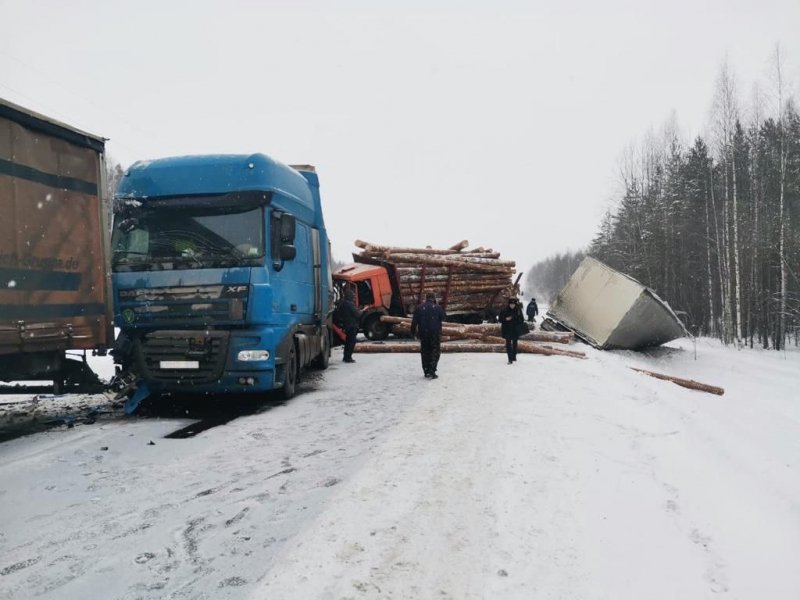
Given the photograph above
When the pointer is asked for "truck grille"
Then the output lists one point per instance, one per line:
(209, 349)
(191, 306)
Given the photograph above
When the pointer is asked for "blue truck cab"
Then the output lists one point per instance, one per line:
(221, 274)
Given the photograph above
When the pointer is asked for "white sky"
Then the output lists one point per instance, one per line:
(429, 122)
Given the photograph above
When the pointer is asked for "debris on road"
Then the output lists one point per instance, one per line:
(472, 338)
(609, 309)
(687, 383)
(402, 325)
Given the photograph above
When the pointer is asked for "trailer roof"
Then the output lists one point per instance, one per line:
(38, 122)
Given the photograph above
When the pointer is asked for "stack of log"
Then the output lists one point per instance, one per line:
(463, 279)
(474, 338)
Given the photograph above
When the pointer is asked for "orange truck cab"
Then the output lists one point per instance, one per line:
(376, 293)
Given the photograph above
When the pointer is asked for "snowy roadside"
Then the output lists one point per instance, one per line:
(119, 508)
(551, 478)
(573, 480)
(22, 413)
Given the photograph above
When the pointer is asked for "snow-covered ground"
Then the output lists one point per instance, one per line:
(551, 478)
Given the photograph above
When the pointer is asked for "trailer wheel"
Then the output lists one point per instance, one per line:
(375, 329)
(290, 376)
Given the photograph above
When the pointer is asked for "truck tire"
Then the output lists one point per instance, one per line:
(59, 387)
(324, 357)
(374, 328)
(290, 376)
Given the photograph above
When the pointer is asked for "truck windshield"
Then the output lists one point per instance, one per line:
(188, 238)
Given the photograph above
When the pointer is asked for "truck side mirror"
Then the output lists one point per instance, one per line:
(282, 238)
(287, 228)
(288, 252)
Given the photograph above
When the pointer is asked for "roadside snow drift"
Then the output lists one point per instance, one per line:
(549, 478)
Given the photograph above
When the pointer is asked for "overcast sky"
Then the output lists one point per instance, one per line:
(429, 122)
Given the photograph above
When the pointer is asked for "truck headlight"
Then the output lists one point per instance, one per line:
(252, 355)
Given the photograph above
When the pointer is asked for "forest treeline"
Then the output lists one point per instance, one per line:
(712, 226)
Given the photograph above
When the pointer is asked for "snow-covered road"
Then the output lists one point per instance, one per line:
(551, 478)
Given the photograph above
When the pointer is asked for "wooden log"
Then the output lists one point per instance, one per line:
(485, 328)
(687, 383)
(452, 329)
(386, 250)
(469, 289)
(480, 254)
(410, 269)
(455, 277)
(461, 284)
(532, 348)
(396, 320)
(371, 248)
(483, 331)
(455, 347)
(450, 260)
(558, 337)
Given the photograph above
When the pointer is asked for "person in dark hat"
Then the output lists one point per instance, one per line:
(532, 310)
(512, 324)
(347, 316)
(427, 326)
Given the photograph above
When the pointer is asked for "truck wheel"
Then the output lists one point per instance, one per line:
(375, 329)
(290, 376)
(324, 358)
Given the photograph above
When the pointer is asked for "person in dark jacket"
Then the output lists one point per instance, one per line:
(511, 325)
(532, 310)
(427, 326)
(347, 316)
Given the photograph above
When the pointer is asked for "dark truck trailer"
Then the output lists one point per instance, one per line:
(54, 269)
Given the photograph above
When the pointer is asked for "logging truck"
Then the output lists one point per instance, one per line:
(471, 285)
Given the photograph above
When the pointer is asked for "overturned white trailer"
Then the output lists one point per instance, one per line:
(609, 309)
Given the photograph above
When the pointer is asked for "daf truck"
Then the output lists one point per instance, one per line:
(221, 273)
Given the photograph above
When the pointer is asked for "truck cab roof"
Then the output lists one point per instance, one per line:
(218, 174)
(358, 272)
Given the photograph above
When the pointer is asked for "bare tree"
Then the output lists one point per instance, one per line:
(726, 117)
(782, 158)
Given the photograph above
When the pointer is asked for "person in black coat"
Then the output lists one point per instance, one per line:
(347, 316)
(532, 310)
(427, 326)
(512, 324)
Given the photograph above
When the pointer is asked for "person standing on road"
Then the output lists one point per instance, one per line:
(348, 317)
(532, 310)
(512, 324)
(427, 326)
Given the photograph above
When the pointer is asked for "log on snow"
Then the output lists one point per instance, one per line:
(403, 324)
(455, 347)
(687, 383)
(558, 337)
(532, 348)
